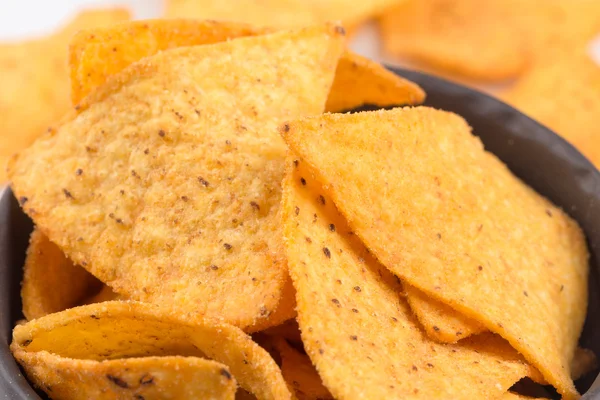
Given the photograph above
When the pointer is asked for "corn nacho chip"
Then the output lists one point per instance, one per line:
(117, 331)
(355, 323)
(359, 81)
(300, 374)
(458, 36)
(34, 82)
(51, 282)
(455, 223)
(440, 321)
(563, 95)
(187, 213)
(282, 14)
(135, 378)
(96, 54)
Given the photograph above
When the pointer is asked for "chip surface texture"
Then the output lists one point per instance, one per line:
(450, 219)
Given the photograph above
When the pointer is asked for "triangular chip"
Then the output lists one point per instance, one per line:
(360, 81)
(128, 378)
(491, 43)
(356, 327)
(51, 282)
(96, 54)
(459, 36)
(34, 82)
(282, 14)
(563, 95)
(450, 219)
(176, 200)
(119, 331)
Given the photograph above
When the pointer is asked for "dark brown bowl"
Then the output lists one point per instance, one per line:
(534, 153)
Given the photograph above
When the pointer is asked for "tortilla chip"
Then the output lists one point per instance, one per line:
(133, 378)
(281, 14)
(300, 374)
(459, 36)
(122, 330)
(359, 81)
(356, 327)
(34, 82)
(553, 27)
(440, 321)
(51, 282)
(188, 216)
(454, 222)
(96, 54)
(563, 95)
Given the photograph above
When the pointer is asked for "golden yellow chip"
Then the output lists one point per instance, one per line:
(357, 328)
(563, 95)
(134, 378)
(176, 201)
(553, 27)
(96, 54)
(117, 331)
(359, 81)
(441, 322)
(300, 374)
(450, 219)
(282, 14)
(34, 82)
(51, 282)
(458, 36)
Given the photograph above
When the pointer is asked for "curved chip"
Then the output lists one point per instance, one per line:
(34, 82)
(182, 208)
(96, 54)
(178, 378)
(51, 282)
(563, 95)
(459, 36)
(440, 321)
(357, 328)
(454, 222)
(121, 330)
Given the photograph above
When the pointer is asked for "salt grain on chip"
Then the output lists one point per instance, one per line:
(357, 328)
(167, 179)
(133, 349)
(450, 219)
